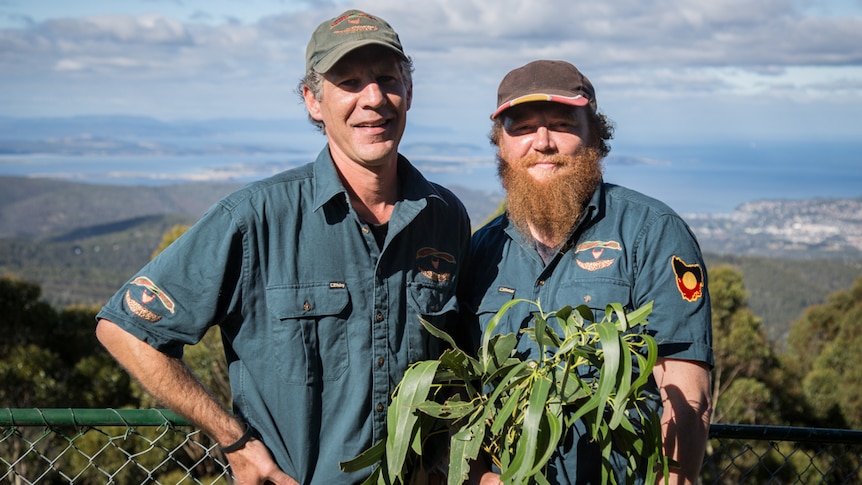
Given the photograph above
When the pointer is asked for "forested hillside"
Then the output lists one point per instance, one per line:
(781, 289)
(80, 242)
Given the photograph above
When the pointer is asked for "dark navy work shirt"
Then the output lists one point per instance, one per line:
(319, 321)
(628, 249)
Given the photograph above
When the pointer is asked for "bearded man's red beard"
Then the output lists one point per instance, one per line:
(553, 205)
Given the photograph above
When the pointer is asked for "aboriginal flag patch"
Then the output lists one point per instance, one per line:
(689, 279)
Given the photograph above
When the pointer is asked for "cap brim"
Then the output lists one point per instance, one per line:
(577, 100)
(330, 59)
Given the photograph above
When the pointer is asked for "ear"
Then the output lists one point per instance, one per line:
(311, 104)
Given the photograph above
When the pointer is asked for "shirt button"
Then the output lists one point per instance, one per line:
(587, 299)
(379, 317)
(306, 306)
(365, 229)
(541, 282)
(380, 362)
(379, 407)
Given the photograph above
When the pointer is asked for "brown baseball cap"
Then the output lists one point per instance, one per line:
(351, 30)
(543, 80)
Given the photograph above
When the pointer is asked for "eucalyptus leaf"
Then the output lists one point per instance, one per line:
(365, 459)
(401, 416)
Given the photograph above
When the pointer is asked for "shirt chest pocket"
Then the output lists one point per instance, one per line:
(432, 302)
(310, 331)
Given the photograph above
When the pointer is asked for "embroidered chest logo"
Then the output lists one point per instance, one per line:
(689, 279)
(436, 265)
(150, 292)
(591, 255)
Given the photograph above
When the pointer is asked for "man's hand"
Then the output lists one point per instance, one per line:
(253, 465)
(490, 478)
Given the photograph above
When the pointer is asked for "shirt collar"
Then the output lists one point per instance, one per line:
(327, 183)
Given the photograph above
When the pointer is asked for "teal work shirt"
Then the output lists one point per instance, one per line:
(319, 324)
(628, 249)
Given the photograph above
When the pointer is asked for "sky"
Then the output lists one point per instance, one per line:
(665, 71)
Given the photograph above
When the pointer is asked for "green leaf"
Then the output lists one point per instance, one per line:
(501, 349)
(638, 316)
(465, 446)
(554, 424)
(646, 364)
(623, 385)
(439, 333)
(569, 388)
(527, 443)
(365, 459)
(513, 378)
(539, 326)
(586, 313)
(401, 415)
(449, 410)
(506, 412)
(456, 365)
(608, 374)
(622, 321)
(492, 325)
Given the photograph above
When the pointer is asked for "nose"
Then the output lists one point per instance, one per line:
(542, 141)
(372, 95)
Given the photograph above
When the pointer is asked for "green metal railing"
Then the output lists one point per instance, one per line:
(127, 446)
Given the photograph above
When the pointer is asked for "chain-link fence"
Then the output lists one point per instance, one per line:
(99, 446)
(149, 446)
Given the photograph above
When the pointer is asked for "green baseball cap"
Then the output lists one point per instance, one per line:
(351, 30)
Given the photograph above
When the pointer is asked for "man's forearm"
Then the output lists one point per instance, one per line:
(687, 411)
(685, 442)
(171, 382)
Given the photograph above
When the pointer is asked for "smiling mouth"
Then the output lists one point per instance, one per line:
(376, 124)
(545, 164)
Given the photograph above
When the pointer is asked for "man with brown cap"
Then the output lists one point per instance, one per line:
(316, 278)
(569, 238)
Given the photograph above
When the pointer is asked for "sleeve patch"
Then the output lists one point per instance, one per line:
(689, 279)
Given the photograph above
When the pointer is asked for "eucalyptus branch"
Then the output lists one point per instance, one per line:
(518, 410)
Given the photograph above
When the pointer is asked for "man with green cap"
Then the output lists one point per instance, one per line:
(316, 278)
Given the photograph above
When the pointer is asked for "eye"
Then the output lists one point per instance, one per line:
(517, 127)
(566, 126)
(348, 83)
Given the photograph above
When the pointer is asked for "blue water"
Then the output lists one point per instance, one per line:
(691, 179)
(716, 179)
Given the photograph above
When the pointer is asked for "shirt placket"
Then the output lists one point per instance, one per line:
(379, 359)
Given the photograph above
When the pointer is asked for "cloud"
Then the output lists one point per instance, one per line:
(116, 29)
(666, 33)
(630, 49)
